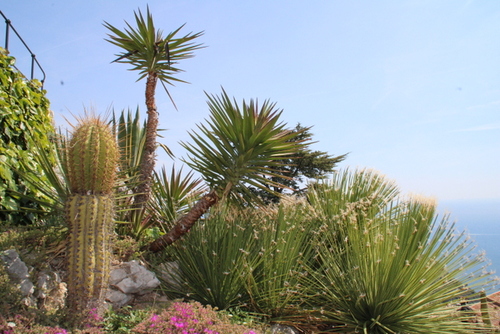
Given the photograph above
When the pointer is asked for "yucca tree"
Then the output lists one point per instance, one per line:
(155, 57)
(238, 148)
(131, 138)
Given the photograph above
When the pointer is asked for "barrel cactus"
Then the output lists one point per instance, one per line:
(91, 162)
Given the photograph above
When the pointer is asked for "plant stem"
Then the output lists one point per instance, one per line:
(185, 223)
(143, 190)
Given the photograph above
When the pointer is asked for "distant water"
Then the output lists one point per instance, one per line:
(481, 220)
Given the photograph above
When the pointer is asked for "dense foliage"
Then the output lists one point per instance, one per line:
(26, 124)
(305, 165)
(354, 256)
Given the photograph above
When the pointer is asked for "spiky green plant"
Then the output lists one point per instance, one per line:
(395, 268)
(173, 195)
(285, 247)
(238, 148)
(252, 257)
(155, 57)
(91, 158)
(131, 138)
(91, 164)
(216, 258)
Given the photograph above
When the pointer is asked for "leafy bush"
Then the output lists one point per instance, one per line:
(215, 258)
(26, 125)
(397, 268)
(121, 321)
(251, 258)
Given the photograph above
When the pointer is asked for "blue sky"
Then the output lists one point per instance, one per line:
(409, 88)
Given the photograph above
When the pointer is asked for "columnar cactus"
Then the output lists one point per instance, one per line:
(91, 161)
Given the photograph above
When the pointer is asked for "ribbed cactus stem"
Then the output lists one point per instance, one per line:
(91, 218)
(91, 162)
(92, 157)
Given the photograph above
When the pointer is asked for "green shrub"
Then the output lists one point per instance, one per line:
(26, 125)
(353, 257)
(396, 268)
(215, 258)
(252, 258)
(121, 321)
(285, 247)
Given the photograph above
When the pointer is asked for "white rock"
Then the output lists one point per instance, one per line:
(128, 281)
(283, 329)
(18, 271)
(118, 298)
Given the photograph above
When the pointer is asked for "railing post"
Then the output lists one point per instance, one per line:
(33, 66)
(33, 57)
(7, 25)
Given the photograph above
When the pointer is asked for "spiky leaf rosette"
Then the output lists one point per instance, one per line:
(150, 52)
(92, 157)
(241, 147)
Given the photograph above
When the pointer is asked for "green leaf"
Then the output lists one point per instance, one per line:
(145, 48)
(240, 146)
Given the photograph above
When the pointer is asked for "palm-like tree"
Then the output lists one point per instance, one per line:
(239, 147)
(156, 58)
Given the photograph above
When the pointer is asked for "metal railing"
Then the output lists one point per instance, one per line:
(8, 27)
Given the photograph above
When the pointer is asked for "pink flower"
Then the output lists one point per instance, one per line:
(154, 318)
(177, 322)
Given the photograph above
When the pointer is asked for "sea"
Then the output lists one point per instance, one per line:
(480, 218)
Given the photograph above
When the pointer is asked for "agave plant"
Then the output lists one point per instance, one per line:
(285, 247)
(52, 188)
(239, 147)
(155, 57)
(253, 257)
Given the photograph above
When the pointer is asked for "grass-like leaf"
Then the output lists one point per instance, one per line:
(216, 258)
(173, 194)
(397, 269)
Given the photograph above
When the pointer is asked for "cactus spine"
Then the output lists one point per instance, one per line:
(91, 161)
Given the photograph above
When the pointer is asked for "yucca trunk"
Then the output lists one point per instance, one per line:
(185, 223)
(143, 190)
(91, 161)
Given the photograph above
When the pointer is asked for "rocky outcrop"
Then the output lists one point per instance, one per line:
(129, 281)
(50, 290)
(19, 273)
